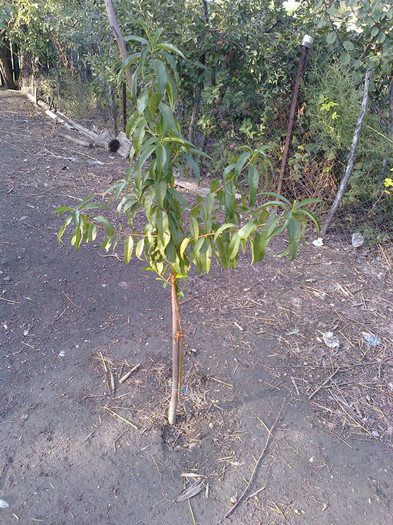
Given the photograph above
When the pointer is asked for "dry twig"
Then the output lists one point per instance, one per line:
(269, 435)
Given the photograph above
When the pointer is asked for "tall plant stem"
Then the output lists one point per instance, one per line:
(177, 346)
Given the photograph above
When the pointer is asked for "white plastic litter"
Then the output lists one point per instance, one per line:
(371, 339)
(318, 242)
(331, 340)
(357, 240)
(3, 504)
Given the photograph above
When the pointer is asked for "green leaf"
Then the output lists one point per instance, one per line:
(139, 135)
(156, 37)
(139, 248)
(145, 153)
(348, 46)
(241, 161)
(183, 246)
(61, 209)
(132, 123)
(62, 229)
(127, 63)
(194, 227)
(169, 119)
(294, 230)
(246, 230)
(234, 246)
(135, 38)
(223, 228)
(142, 102)
(253, 182)
(160, 190)
(165, 46)
(91, 233)
(163, 232)
(161, 74)
(107, 243)
(128, 247)
(104, 222)
(194, 166)
(331, 37)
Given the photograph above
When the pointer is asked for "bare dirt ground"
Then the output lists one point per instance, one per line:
(77, 446)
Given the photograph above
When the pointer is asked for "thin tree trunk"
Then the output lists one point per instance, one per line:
(195, 112)
(390, 125)
(177, 345)
(6, 66)
(199, 88)
(351, 156)
(114, 111)
(124, 105)
(110, 11)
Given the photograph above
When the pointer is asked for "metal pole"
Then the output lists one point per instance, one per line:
(306, 44)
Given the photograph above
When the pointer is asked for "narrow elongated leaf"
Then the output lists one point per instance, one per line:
(144, 54)
(61, 209)
(161, 74)
(135, 38)
(139, 135)
(139, 248)
(104, 222)
(160, 190)
(165, 46)
(142, 102)
(234, 246)
(241, 161)
(82, 204)
(169, 119)
(294, 230)
(310, 215)
(145, 153)
(132, 123)
(253, 181)
(246, 230)
(183, 246)
(128, 248)
(223, 228)
(127, 63)
(62, 229)
(194, 227)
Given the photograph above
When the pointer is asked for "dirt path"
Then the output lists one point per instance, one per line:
(72, 321)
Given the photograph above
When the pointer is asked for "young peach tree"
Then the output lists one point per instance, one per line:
(176, 234)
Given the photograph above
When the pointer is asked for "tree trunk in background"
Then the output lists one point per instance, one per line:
(390, 124)
(6, 65)
(195, 112)
(110, 11)
(199, 88)
(114, 111)
(25, 69)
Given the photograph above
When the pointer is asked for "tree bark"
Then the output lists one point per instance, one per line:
(177, 345)
(351, 156)
(199, 88)
(390, 124)
(6, 66)
(110, 11)
(195, 112)
(114, 111)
